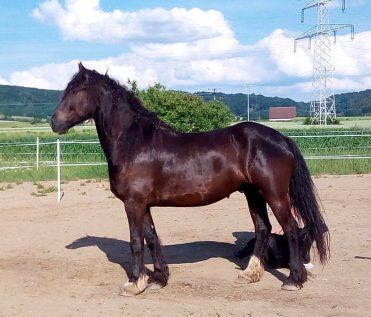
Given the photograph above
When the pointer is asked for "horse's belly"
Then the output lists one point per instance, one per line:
(198, 191)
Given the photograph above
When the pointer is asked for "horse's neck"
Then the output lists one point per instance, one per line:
(112, 123)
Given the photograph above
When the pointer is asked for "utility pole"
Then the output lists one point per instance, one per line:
(322, 106)
(214, 92)
(248, 99)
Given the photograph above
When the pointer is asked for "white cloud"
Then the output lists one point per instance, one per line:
(271, 62)
(348, 4)
(350, 83)
(85, 20)
(281, 50)
(183, 49)
(3, 81)
(176, 73)
(48, 76)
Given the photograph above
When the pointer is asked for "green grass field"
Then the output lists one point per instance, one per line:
(14, 154)
(345, 123)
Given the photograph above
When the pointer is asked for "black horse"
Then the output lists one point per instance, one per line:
(152, 164)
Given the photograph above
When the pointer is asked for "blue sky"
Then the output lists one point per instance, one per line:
(245, 41)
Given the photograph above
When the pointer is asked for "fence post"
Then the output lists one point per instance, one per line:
(59, 171)
(37, 153)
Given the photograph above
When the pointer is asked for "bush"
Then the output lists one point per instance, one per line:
(308, 121)
(36, 120)
(184, 111)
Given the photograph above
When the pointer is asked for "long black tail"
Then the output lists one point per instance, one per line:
(305, 202)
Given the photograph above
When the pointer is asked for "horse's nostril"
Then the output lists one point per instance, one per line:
(52, 122)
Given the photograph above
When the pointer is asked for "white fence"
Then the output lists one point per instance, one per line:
(38, 163)
(58, 163)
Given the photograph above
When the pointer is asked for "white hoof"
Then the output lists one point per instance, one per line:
(135, 288)
(253, 273)
(290, 287)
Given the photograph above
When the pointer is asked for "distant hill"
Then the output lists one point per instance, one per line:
(259, 104)
(347, 104)
(27, 102)
(354, 103)
(40, 103)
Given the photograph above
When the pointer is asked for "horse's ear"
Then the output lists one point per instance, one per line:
(106, 74)
(81, 67)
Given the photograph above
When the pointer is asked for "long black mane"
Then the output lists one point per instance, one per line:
(118, 91)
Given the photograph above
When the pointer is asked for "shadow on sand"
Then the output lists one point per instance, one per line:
(118, 251)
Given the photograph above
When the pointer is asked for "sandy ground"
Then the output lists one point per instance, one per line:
(72, 259)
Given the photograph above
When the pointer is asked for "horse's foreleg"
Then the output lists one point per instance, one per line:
(259, 215)
(282, 211)
(138, 280)
(161, 271)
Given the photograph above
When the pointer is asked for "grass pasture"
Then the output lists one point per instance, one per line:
(355, 123)
(18, 148)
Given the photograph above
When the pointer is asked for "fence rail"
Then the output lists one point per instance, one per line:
(49, 154)
(38, 145)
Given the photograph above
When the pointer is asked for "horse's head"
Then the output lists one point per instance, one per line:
(306, 240)
(83, 242)
(77, 104)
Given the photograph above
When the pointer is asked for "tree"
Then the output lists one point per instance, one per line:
(184, 111)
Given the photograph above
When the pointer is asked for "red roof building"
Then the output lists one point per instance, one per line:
(282, 113)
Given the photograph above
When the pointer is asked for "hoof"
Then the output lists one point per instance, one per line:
(154, 286)
(158, 279)
(290, 287)
(253, 273)
(135, 288)
(130, 289)
(241, 279)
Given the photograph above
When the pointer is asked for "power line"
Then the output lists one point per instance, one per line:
(248, 85)
(214, 90)
(322, 107)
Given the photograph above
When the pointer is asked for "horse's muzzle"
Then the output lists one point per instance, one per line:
(56, 126)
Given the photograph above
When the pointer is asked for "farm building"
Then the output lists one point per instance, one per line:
(282, 113)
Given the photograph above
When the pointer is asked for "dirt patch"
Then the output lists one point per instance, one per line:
(73, 258)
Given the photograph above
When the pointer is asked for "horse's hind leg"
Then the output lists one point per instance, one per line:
(161, 271)
(281, 207)
(259, 215)
(139, 280)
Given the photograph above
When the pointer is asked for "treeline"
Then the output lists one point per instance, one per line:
(40, 103)
(184, 111)
(259, 104)
(354, 104)
(347, 104)
(27, 102)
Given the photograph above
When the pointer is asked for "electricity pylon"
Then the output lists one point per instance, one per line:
(214, 90)
(322, 106)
